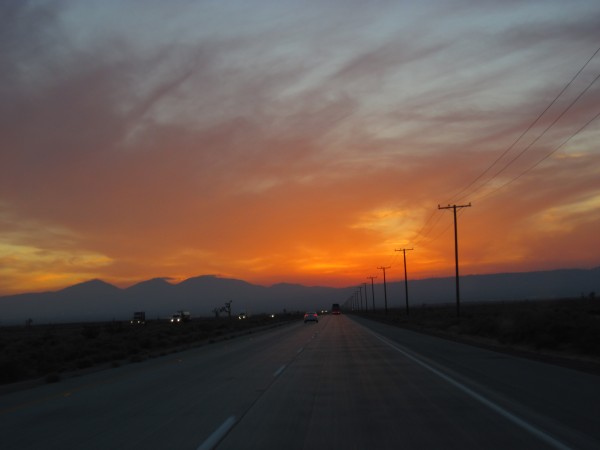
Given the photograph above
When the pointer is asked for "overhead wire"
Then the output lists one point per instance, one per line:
(545, 130)
(530, 168)
(421, 235)
(531, 125)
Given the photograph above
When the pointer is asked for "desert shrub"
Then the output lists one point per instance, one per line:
(114, 327)
(545, 340)
(133, 350)
(90, 332)
(100, 358)
(11, 371)
(53, 378)
(117, 355)
(47, 364)
(84, 363)
(587, 339)
(479, 326)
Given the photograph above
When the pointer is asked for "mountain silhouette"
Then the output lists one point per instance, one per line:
(95, 285)
(96, 300)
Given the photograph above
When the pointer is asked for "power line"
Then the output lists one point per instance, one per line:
(457, 195)
(530, 168)
(420, 237)
(547, 128)
(430, 224)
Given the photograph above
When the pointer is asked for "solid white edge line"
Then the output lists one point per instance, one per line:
(503, 412)
(212, 441)
(278, 371)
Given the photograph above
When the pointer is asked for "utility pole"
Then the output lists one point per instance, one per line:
(366, 299)
(360, 294)
(404, 250)
(385, 287)
(372, 291)
(454, 208)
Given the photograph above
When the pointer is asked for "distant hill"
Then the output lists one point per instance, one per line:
(554, 284)
(96, 300)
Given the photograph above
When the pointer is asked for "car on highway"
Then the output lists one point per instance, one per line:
(311, 317)
(180, 317)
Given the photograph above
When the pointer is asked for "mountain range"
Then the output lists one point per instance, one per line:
(97, 300)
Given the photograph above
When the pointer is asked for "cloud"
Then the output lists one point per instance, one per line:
(192, 139)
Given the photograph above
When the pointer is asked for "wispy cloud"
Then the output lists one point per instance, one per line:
(286, 143)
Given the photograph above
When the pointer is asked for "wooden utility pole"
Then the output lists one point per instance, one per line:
(454, 208)
(360, 295)
(372, 291)
(404, 250)
(385, 287)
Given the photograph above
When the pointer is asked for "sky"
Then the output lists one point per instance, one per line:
(296, 141)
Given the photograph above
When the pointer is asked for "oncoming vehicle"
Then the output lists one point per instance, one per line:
(335, 309)
(181, 316)
(311, 317)
(139, 318)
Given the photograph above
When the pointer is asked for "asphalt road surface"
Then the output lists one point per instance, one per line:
(344, 383)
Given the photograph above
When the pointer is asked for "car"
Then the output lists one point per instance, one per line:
(180, 317)
(311, 317)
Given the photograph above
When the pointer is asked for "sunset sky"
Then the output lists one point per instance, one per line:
(295, 141)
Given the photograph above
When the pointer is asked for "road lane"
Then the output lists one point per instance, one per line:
(553, 398)
(350, 390)
(342, 383)
(171, 402)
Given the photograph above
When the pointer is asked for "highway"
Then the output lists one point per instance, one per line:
(345, 382)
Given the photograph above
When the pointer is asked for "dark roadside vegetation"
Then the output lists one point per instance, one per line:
(564, 332)
(51, 352)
